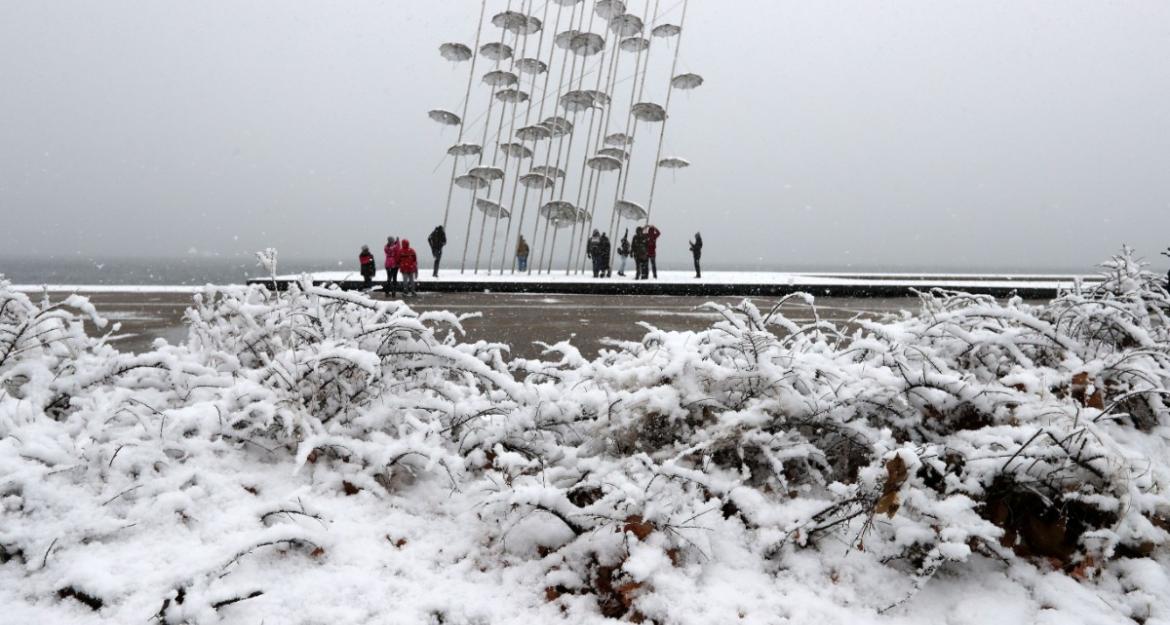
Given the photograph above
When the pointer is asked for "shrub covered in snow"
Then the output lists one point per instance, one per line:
(305, 455)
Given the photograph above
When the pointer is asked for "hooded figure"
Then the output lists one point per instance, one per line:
(522, 254)
(368, 267)
(391, 251)
(624, 252)
(437, 240)
(408, 266)
(593, 251)
(697, 253)
(640, 248)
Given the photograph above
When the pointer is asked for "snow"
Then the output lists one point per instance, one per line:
(957, 282)
(316, 456)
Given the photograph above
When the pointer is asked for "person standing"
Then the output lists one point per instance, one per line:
(593, 251)
(652, 235)
(437, 240)
(368, 267)
(391, 251)
(640, 249)
(522, 254)
(605, 248)
(697, 253)
(624, 252)
(408, 267)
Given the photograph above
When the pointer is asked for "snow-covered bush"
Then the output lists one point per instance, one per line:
(302, 438)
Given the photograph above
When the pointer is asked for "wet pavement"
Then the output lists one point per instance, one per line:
(520, 320)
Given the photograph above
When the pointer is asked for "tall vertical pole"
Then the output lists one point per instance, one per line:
(548, 151)
(475, 194)
(527, 121)
(463, 119)
(666, 107)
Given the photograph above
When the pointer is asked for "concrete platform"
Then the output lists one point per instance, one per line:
(715, 284)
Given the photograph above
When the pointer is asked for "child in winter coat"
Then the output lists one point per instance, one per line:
(522, 254)
(408, 267)
(368, 268)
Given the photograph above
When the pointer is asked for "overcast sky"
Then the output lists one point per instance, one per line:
(915, 133)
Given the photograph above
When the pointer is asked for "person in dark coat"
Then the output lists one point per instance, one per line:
(522, 251)
(593, 251)
(408, 267)
(652, 235)
(641, 251)
(437, 240)
(605, 248)
(368, 267)
(624, 252)
(697, 253)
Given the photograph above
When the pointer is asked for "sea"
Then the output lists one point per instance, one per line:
(200, 270)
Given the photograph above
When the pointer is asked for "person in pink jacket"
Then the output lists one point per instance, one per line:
(391, 250)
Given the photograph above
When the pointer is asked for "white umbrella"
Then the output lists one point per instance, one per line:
(564, 39)
(600, 98)
(537, 181)
(619, 139)
(447, 118)
(604, 163)
(630, 210)
(531, 66)
(559, 210)
(674, 162)
(576, 101)
(649, 112)
(455, 52)
(634, 44)
(558, 126)
(512, 96)
(515, 150)
(617, 153)
(496, 51)
(549, 170)
(500, 78)
(464, 149)
(490, 174)
(666, 30)
(626, 25)
(587, 44)
(609, 9)
(472, 183)
(517, 23)
(492, 209)
(686, 81)
(533, 133)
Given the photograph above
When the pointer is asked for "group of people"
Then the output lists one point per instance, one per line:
(401, 260)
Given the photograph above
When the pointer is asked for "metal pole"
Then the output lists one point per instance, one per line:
(527, 120)
(548, 151)
(463, 119)
(666, 107)
(475, 195)
(631, 131)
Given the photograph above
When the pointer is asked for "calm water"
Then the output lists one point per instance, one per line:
(196, 270)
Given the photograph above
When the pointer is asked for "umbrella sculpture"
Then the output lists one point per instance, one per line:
(541, 62)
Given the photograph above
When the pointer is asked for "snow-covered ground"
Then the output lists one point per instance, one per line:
(316, 456)
(961, 281)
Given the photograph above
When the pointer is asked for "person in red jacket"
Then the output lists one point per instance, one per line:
(408, 267)
(652, 235)
(366, 260)
(391, 251)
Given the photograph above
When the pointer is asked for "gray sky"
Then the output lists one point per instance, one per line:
(919, 133)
